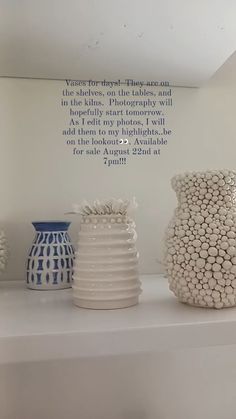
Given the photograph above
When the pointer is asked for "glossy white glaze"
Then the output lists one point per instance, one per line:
(106, 264)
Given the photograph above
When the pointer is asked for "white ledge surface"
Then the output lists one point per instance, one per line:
(45, 325)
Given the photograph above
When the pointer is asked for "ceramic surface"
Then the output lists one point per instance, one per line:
(3, 251)
(50, 260)
(201, 239)
(106, 264)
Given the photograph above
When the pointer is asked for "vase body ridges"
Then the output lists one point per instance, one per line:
(50, 260)
(106, 264)
(200, 256)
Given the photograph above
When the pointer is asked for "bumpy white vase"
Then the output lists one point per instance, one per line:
(201, 239)
(3, 251)
(106, 264)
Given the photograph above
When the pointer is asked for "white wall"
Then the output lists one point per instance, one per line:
(40, 179)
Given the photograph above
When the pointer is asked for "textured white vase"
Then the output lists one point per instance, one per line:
(201, 239)
(3, 251)
(106, 263)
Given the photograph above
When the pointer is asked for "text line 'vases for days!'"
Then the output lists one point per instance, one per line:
(50, 260)
(106, 264)
(201, 239)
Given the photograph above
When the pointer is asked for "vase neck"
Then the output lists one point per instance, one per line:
(106, 219)
(51, 225)
(206, 189)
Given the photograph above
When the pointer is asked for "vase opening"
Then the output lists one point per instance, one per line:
(51, 225)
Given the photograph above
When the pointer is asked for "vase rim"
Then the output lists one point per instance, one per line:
(224, 172)
(51, 225)
(106, 215)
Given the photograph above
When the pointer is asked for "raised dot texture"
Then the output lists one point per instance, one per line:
(201, 239)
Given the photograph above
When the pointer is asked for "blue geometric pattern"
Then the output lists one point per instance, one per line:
(50, 260)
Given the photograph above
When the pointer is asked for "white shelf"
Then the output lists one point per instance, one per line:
(45, 325)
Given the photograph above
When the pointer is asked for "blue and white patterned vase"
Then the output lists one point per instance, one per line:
(50, 260)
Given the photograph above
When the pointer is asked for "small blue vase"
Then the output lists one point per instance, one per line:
(51, 257)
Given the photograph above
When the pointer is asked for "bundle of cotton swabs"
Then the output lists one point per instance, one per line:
(107, 207)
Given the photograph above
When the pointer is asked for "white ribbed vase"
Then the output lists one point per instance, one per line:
(106, 263)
